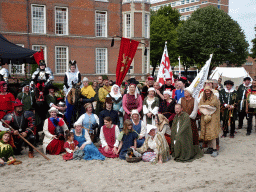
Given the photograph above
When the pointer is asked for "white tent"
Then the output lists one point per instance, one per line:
(235, 74)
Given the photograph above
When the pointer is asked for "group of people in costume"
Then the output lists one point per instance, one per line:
(155, 122)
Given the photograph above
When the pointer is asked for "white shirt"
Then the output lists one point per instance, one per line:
(86, 136)
(103, 140)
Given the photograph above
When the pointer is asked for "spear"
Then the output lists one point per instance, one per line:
(26, 140)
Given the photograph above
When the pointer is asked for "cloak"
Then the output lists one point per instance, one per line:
(183, 150)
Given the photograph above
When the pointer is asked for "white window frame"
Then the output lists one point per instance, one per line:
(16, 65)
(32, 25)
(106, 23)
(104, 0)
(106, 59)
(248, 63)
(67, 23)
(126, 27)
(67, 58)
(147, 29)
(45, 51)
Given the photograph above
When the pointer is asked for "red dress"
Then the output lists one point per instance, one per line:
(71, 146)
(56, 146)
(109, 134)
(6, 104)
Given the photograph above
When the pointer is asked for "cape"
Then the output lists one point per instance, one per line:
(183, 150)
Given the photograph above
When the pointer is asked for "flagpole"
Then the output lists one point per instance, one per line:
(179, 67)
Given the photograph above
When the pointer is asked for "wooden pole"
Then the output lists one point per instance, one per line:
(26, 140)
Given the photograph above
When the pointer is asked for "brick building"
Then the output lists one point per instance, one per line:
(80, 30)
(187, 7)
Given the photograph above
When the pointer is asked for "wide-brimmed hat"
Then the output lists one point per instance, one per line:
(133, 81)
(150, 127)
(17, 103)
(53, 109)
(51, 86)
(229, 82)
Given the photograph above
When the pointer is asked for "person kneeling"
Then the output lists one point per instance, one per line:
(182, 147)
(155, 149)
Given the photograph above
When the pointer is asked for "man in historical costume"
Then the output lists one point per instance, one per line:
(4, 73)
(6, 100)
(40, 79)
(102, 94)
(27, 98)
(23, 123)
(182, 147)
(87, 94)
(144, 91)
(241, 97)
(209, 83)
(250, 108)
(228, 99)
(210, 120)
(108, 112)
(159, 92)
(50, 98)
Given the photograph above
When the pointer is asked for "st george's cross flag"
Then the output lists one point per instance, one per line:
(165, 69)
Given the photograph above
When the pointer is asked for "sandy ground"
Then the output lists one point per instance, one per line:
(233, 170)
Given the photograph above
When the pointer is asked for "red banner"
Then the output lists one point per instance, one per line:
(127, 51)
(38, 56)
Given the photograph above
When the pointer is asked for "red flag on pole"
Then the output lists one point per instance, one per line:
(38, 56)
(127, 51)
(165, 69)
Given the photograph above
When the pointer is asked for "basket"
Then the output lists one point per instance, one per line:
(133, 159)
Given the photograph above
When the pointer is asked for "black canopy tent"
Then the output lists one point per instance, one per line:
(11, 53)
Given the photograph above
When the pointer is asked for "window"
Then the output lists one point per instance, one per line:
(182, 10)
(197, 0)
(17, 69)
(101, 24)
(187, 1)
(101, 60)
(146, 61)
(38, 19)
(147, 25)
(128, 25)
(187, 9)
(182, 2)
(248, 63)
(192, 1)
(61, 21)
(218, 6)
(37, 48)
(61, 59)
(173, 4)
(192, 8)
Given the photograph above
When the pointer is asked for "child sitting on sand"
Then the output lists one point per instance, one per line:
(128, 138)
(70, 146)
(6, 151)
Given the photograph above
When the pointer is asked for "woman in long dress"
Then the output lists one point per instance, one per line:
(54, 137)
(163, 127)
(108, 138)
(139, 126)
(117, 98)
(150, 106)
(131, 100)
(167, 106)
(85, 143)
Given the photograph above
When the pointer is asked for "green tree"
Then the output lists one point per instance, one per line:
(163, 26)
(253, 50)
(210, 30)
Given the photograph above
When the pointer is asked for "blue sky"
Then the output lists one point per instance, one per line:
(244, 12)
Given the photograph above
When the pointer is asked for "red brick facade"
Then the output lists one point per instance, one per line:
(81, 40)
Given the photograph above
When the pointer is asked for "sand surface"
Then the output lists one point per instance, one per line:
(233, 170)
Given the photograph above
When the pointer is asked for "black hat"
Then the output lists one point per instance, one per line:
(133, 81)
(72, 62)
(51, 86)
(247, 78)
(42, 62)
(229, 82)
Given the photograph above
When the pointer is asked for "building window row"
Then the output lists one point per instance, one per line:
(248, 63)
(144, 1)
(61, 60)
(188, 9)
(184, 17)
(174, 4)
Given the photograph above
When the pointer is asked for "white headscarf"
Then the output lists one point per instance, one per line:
(112, 94)
(136, 90)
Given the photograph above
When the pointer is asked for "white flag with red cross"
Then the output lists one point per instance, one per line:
(165, 69)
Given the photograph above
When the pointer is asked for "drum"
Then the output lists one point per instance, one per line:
(252, 101)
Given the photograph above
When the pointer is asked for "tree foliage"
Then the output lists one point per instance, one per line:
(210, 30)
(163, 24)
(253, 50)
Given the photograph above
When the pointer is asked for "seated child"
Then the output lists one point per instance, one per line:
(127, 138)
(6, 145)
(70, 146)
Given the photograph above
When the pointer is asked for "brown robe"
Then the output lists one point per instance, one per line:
(188, 106)
(211, 130)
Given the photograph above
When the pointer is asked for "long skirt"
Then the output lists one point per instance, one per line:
(55, 147)
(140, 142)
(149, 156)
(92, 153)
(194, 132)
(109, 153)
